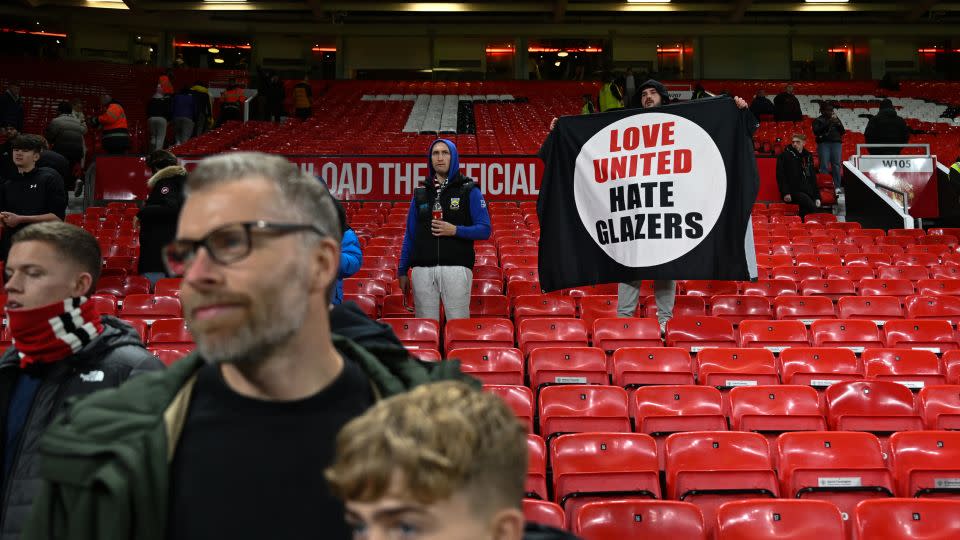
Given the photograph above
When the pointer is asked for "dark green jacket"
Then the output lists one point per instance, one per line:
(105, 462)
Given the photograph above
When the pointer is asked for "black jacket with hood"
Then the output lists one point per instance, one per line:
(637, 101)
(886, 127)
(795, 173)
(159, 215)
(105, 362)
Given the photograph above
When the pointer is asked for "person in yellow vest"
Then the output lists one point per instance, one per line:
(231, 103)
(588, 107)
(166, 83)
(115, 137)
(303, 99)
(611, 96)
(955, 172)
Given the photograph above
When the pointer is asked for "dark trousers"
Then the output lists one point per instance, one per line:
(303, 114)
(116, 145)
(228, 113)
(808, 204)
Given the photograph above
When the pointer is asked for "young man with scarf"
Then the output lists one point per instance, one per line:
(62, 348)
(447, 214)
(231, 441)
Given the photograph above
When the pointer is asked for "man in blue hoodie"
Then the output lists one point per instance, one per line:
(447, 214)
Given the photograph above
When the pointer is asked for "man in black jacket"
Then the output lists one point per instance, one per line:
(829, 133)
(62, 348)
(795, 176)
(400, 472)
(886, 127)
(158, 217)
(11, 107)
(787, 106)
(761, 104)
(33, 194)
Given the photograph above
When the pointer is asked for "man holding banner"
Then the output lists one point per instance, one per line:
(664, 193)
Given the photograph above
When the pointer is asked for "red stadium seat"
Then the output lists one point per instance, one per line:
(917, 259)
(635, 366)
(536, 484)
(543, 306)
(169, 332)
(852, 273)
(167, 287)
(709, 468)
(510, 262)
(371, 287)
(469, 333)
(855, 334)
(775, 409)
(615, 333)
(596, 307)
(929, 287)
(486, 287)
(582, 409)
(912, 273)
(907, 519)
(567, 365)
(395, 306)
(773, 335)
(105, 304)
(120, 287)
(620, 520)
(697, 333)
(416, 333)
(661, 411)
(535, 333)
(147, 307)
(736, 308)
(731, 367)
(780, 519)
(886, 287)
(709, 288)
(684, 306)
(591, 467)
(168, 354)
(934, 335)
(523, 287)
(491, 365)
(489, 306)
(951, 366)
(774, 261)
(385, 275)
(605, 289)
(821, 261)
(518, 398)
(797, 273)
(770, 288)
(926, 463)
(818, 367)
(803, 308)
(830, 288)
(867, 259)
(940, 406)
(878, 309)
(139, 325)
(366, 303)
(544, 513)
(488, 272)
(914, 369)
(945, 271)
(426, 355)
(874, 406)
(843, 468)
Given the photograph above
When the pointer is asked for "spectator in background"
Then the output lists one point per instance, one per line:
(796, 177)
(787, 106)
(65, 135)
(115, 137)
(447, 214)
(886, 127)
(51, 271)
(184, 111)
(699, 92)
(303, 99)
(165, 83)
(158, 114)
(57, 162)
(955, 172)
(445, 460)
(231, 103)
(8, 168)
(611, 95)
(629, 86)
(588, 107)
(32, 195)
(77, 105)
(275, 97)
(158, 217)
(203, 111)
(11, 107)
(829, 131)
(351, 255)
(761, 106)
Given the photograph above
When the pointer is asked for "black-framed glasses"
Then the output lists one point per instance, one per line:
(227, 244)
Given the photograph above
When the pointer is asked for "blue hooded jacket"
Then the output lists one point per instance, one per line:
(480, 230)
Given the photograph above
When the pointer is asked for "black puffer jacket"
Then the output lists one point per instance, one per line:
(159, 215)
(795, 173)
(106, 362)
(886, 127)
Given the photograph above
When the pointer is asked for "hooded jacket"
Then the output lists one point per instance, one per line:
(106, 462)
(351, 257)
(886, 127)
(637, 102)
(201, 100)
(795, 173)
(11, 110)
(462, 204)
(106, 362)
(159, 215)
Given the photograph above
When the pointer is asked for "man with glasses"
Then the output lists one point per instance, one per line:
(230, 442)
(796, 177)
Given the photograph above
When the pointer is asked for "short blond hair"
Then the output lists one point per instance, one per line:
(438, 439)
(800, 136)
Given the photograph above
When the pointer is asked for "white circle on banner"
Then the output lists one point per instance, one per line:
(692, 163)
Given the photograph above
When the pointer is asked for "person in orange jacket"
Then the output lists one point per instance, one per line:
(115, 137)
(231, 103)
(166, 83)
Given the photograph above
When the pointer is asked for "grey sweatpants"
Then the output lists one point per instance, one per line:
(665, 292)
(451, 284)
(182, 129)
(158, 131)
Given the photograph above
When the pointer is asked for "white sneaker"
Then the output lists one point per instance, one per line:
(663, 327)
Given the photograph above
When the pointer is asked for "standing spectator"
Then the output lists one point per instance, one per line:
(588, 107)
(761, 106)
(52, 269)
(77, 105)
(955, 172)
(351, 255)
(447, 214)
(231, 103)
(886, 127)
(158, 114)
(11, 107)
(796, 178)
(65, 135)
(699, 92)
(115, 137)
(611, 95)
(829, 131)
(158, 217)
(184, 111)
(629, 86)
(258, 248)
(303, 99)
(787, 106)
(8, 168)
(275, 97)
(201, 100)
(476, 493)
(57, 162)
(165, 83)
(32, 195)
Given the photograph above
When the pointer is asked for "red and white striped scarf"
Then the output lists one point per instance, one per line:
(51, 333)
